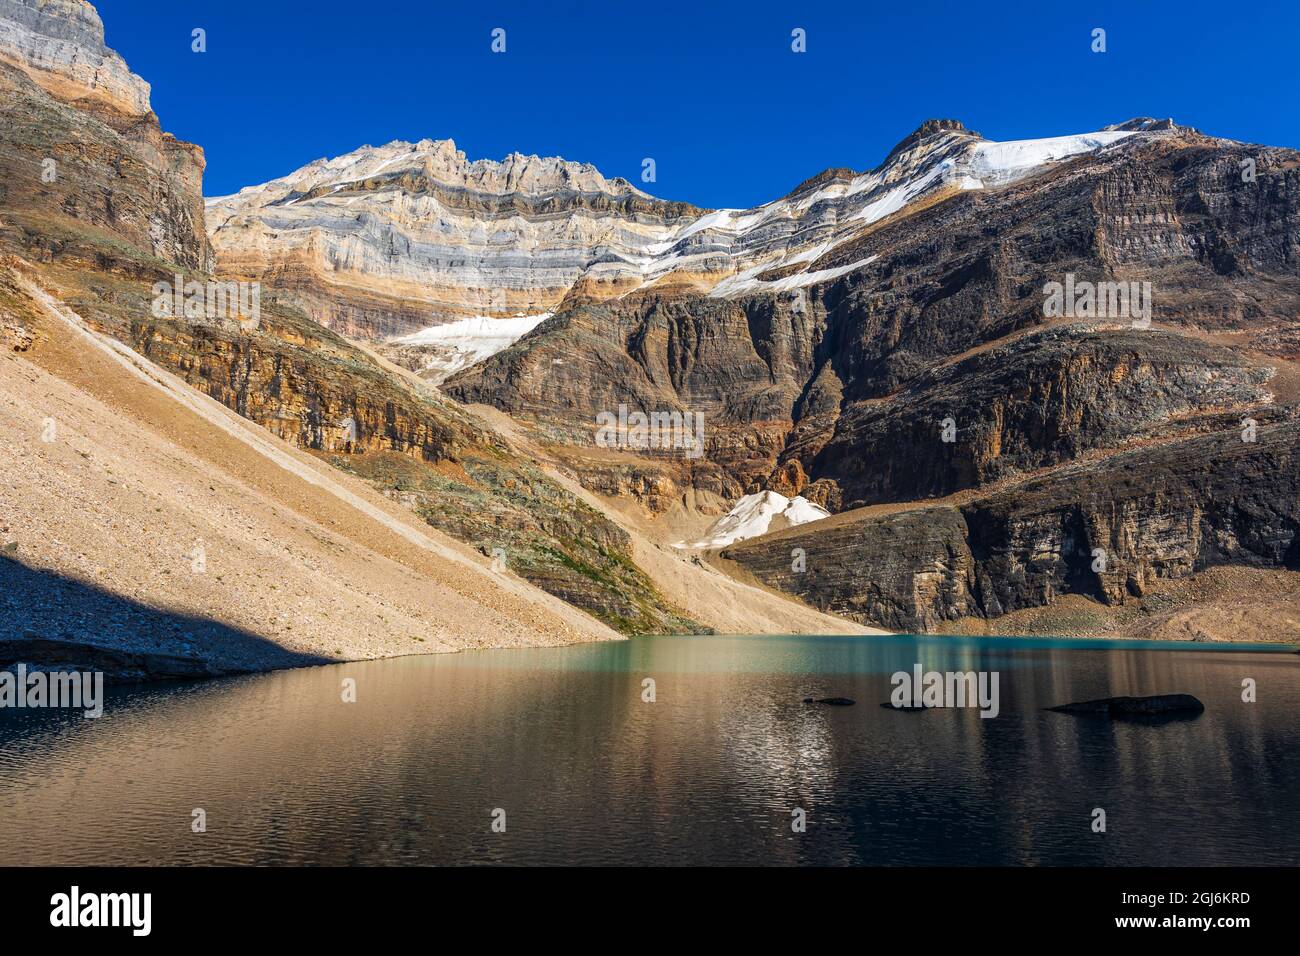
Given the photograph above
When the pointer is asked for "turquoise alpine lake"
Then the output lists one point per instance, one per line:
(673, 750)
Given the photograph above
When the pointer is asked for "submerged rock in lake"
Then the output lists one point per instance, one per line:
(832, 701)
(1158, 705)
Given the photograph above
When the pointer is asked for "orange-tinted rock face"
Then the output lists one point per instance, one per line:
(60, 45)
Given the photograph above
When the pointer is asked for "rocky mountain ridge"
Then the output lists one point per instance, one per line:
(384, 241)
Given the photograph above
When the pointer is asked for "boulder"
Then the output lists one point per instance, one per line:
(1158, 705)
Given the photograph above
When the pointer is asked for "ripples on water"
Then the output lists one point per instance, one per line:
(589, 774)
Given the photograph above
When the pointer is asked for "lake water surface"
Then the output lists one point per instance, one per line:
(586, 772)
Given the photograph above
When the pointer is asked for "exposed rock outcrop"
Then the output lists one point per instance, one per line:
(385, 241)
(1107, 530)
(827, 372)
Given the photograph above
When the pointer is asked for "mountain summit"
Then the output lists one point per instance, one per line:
(439, 161)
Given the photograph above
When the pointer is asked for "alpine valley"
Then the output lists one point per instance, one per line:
(400, 453)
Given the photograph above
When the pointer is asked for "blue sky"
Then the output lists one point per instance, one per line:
(711, 90)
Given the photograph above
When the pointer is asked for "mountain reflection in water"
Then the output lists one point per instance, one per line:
(589, 773)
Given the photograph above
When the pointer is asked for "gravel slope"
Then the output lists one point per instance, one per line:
(299, 562)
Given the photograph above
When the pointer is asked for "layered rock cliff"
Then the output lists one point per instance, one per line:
(60, 44)
(387, 241)
(916, 358)
(800, 368)
(83, 152)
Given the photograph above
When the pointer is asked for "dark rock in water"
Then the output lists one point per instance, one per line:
(832, 701)
(913, 708)
(1159, 705)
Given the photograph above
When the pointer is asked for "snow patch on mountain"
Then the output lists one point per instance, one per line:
(458, 345)
(753, 515)
(995, 163)
(747, 281)
(959, 161)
